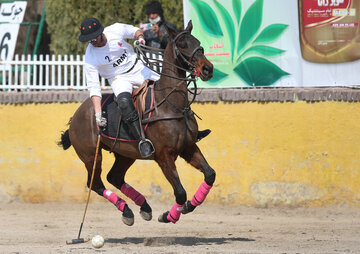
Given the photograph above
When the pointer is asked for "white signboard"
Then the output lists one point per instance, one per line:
(8, 36)
(13, 12)
(11, 15)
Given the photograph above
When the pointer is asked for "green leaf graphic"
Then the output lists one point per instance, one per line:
(256, 71)
(229, 25)
(217, 76)
(207, 18)
(265, 50)
(237, 9)
(271, 33)
(250, 24)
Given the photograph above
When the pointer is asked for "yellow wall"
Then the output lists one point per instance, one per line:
(264, 154)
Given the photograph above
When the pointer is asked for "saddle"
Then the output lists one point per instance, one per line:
(143, 98)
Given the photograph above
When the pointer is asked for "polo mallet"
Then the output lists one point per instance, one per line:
(78, 239)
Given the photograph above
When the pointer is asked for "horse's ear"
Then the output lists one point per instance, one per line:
(189, 26)
(171, 32)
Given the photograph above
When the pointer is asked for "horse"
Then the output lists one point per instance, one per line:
(173, 132)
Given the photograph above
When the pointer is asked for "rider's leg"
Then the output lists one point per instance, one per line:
(203, 134)
(131, 118)
(122, 86)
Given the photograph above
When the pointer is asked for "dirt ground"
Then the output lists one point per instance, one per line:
(44, 228)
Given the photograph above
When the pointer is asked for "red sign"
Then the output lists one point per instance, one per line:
(320, 12)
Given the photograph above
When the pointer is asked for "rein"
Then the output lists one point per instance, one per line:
(151, 63)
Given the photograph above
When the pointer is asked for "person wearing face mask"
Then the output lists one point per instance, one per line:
(157, 37)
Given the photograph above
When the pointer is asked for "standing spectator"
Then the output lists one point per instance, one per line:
(157, 37)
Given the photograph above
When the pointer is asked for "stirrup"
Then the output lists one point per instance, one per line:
(146, 154)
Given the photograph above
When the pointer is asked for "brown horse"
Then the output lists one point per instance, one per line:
(173, 133)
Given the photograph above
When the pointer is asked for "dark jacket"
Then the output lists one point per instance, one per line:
(153, 40)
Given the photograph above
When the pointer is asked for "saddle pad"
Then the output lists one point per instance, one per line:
(111, 112)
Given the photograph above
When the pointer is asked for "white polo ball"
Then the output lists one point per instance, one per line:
(97, 241)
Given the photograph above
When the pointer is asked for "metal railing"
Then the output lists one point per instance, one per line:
(39, 72)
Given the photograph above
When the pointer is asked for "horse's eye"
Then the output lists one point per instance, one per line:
(182, 44)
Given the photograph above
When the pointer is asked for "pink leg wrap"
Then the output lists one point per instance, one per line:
(113, 198)
(201, 194)
(175, 213)
(130, 192)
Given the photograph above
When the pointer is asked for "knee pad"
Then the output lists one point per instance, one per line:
(127, 108)
(124, 100)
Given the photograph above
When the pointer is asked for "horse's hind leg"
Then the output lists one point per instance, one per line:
(99, 188)
(194, 156)
(97, 185)
(116, 177)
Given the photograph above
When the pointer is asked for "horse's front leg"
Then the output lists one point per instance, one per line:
(194, 156)
(166, 162)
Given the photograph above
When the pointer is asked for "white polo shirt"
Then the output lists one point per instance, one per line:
(115, 58)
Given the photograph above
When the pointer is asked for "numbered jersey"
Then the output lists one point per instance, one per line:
(115, 58)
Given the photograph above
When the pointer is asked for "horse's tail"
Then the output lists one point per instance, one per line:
(65, 140)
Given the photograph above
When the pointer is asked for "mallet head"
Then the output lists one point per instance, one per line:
(78, 240)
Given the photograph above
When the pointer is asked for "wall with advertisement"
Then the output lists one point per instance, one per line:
(278, 43)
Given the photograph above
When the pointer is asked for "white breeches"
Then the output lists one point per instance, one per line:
(132, 80)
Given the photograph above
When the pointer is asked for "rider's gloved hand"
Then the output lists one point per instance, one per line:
(140, 41)
(100, 121)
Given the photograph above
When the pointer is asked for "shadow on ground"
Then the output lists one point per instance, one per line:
(185, 241)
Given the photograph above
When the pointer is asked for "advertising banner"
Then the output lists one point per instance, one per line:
(278, 43)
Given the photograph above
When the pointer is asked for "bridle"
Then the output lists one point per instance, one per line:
(186, 58)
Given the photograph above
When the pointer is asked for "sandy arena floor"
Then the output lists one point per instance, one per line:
(44, 228)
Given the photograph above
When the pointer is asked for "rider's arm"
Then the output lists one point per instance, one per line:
(93, 84)
(96, 100)
(139, 34)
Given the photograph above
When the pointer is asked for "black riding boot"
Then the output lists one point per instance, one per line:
(202, 134)
(131, 118)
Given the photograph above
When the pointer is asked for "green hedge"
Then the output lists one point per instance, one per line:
(65, 16)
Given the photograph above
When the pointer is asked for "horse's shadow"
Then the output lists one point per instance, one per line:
(185, 241)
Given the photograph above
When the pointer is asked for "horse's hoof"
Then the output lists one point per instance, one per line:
(146, 211)
(188, 208)
(128, 216)
(163, 218)
(145, 215)
(128, 221)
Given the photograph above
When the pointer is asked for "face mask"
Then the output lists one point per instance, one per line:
(155, 20)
